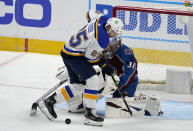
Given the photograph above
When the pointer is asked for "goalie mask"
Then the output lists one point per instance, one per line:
(114, 45)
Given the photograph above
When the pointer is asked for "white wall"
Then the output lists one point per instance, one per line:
(68, 16)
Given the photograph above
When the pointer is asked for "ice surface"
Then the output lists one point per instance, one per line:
(24, 77)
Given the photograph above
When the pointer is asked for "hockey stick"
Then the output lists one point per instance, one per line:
(35, 104)
(122, 96)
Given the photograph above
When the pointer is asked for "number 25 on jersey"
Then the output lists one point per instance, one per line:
(75, 41)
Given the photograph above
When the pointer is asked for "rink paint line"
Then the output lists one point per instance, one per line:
(12, 59)
(7, 85)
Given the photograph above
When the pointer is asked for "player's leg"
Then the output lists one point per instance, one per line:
(87, 73)
(90, 98)
(73, 76)
(65, 93)
(131, 89)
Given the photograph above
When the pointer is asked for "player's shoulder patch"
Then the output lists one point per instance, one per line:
(90, 27)
(128, 51)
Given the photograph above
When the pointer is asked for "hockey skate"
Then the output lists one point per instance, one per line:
(92, 118)
(47, 107)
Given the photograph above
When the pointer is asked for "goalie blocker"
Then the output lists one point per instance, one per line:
(139, 105)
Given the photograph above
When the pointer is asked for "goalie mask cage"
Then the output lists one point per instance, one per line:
(159, 38)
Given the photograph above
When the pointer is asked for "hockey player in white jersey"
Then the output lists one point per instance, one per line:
(79, 55)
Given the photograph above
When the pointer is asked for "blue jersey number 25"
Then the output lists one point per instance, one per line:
(78, 39)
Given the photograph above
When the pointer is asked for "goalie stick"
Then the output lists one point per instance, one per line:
(122, 96)
(35, 104)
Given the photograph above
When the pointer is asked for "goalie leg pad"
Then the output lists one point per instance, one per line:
(139, 105)
(62, 73)
(71, 94)
(76, 104)
(153, 106)
(115, 108)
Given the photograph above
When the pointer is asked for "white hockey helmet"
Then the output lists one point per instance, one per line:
(93, 15)
(116, 25)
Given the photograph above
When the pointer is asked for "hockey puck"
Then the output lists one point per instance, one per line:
(67, 121)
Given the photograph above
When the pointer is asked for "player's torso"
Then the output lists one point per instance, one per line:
(81, 40)
(87, 42)
(123, 60)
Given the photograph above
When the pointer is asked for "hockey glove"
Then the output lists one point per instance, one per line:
(108, 69)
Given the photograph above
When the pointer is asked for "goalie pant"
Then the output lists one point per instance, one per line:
(126, 65)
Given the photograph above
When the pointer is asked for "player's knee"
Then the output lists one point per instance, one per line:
(131, 89)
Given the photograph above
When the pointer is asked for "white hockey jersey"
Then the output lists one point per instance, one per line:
(89, 41)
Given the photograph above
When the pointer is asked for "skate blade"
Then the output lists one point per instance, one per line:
(44, 110)
(93, 123)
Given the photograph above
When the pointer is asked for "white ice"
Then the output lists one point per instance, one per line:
(24, 77)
